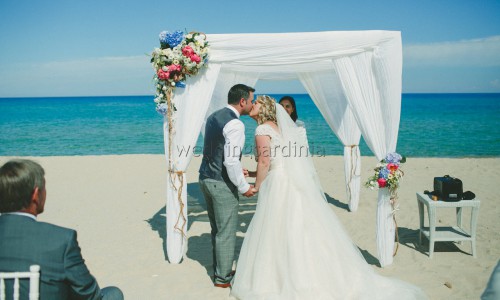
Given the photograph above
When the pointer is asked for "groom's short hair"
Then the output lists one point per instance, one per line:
(237, 92)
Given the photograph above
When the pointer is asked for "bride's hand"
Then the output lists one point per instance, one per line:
(247, 173)
(251, 191)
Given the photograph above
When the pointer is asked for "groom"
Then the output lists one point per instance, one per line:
(222, 178)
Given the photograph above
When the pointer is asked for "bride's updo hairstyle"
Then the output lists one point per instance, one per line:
(267, 111)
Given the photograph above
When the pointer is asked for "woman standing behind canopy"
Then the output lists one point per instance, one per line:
(288, 104)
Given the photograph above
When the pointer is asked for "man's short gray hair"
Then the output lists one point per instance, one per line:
(18, 180)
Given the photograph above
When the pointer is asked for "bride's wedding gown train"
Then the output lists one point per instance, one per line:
(296, 248)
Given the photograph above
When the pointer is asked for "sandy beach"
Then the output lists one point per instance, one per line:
(117, 205)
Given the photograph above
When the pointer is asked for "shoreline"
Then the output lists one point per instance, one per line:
(117, 205)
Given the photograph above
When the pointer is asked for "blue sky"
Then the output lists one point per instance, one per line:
(100, 47)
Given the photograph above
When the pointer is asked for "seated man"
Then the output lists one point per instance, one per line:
(25, 242)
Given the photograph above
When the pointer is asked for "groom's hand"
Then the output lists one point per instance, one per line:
(251, 191)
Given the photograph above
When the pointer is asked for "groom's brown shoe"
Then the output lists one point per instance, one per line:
(225, 285)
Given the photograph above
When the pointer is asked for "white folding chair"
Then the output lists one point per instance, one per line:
(34, 277)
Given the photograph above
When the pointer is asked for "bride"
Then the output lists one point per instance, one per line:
(295, 246)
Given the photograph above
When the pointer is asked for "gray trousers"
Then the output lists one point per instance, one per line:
(222, 208)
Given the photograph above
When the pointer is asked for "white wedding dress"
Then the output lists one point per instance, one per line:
(295, 246)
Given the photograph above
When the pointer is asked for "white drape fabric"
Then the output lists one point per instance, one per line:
(192, 104)
(386, 229)
(353, 76)
(374, 113)
(352, 171)
(372, 84)
(326, 91)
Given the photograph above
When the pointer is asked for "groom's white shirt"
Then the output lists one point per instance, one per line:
(234, 135)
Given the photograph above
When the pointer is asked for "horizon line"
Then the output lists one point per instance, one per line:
(151, 95)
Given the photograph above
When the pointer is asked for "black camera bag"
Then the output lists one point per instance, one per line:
(448, 188)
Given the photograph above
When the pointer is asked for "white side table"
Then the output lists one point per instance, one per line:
(448, 234)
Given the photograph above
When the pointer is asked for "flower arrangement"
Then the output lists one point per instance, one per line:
(388, 174)
(180, 55)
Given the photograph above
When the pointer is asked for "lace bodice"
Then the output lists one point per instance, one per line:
(276, 151)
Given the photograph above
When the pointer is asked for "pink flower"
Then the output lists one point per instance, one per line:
(174, 68)
(392, 167)
(187, 51)
(195, 58)
(382, 182)
(162, 75)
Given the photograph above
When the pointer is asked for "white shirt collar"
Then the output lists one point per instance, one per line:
(21, 214)
(233, 109)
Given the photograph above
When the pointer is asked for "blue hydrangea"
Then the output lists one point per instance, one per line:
(180, 84)
(172, 39)
(163, 37)
(393, 158)
(384, 173)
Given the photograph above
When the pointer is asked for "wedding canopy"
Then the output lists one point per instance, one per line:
(354, 78)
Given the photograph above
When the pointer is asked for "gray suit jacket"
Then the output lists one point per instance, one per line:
(63, 273)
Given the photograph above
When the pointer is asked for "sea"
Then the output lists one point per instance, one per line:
(432, 125)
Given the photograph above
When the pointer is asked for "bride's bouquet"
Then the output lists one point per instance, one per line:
(180, 55)
(388, 174)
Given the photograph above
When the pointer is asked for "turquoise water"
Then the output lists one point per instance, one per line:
(432, 125)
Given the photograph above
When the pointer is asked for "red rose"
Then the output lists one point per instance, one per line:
(382, 182)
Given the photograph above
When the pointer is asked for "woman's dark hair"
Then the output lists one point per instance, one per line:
(294, 115)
